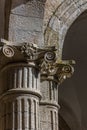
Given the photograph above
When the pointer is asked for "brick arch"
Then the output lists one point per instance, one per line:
(63, 17)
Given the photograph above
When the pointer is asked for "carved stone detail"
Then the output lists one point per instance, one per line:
(29, 50)
(45, 57)
(50, 56)
(60, 70)
(33, 52)
(8, 51)
(25, 65)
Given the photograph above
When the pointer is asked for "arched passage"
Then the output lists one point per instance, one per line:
(73, 92)
(61, 20)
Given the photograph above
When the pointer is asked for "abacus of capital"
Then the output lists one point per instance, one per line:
(29, 79)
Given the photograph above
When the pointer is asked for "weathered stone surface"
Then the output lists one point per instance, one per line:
(30, 8)
(50, 7)
(51, 37)
(25, 29)
(26, 21)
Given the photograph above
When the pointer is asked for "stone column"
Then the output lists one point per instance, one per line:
(19, 88)
(52, 74)
(49, 105)
(19, 97)
(22, 68)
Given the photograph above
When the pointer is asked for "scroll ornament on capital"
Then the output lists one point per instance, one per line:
(44, 57)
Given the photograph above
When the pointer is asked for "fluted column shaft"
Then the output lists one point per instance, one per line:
(49, 105)
(20, 95)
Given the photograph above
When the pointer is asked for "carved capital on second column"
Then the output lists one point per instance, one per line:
(57, 71)
(53, 69)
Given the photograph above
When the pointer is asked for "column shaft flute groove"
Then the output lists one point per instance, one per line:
(20, 109)
(49, 103)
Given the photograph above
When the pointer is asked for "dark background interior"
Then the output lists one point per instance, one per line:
(73, 92)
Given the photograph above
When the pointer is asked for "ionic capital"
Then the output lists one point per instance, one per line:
(45, 58)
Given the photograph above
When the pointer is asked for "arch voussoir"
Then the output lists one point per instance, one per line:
(66, 13)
